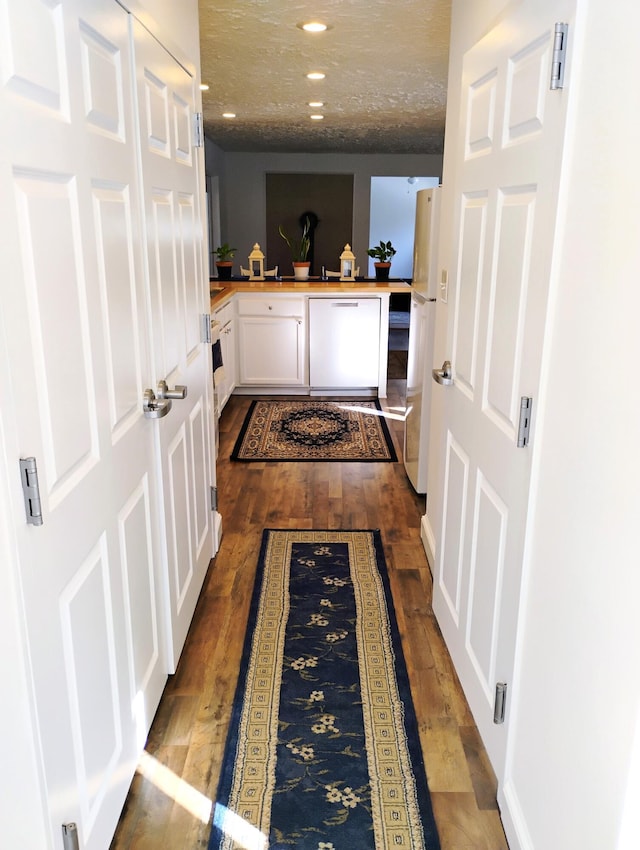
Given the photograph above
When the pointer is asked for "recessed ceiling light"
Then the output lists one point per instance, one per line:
(204, 87)
(316, 117)
(313, 26)
(315, 104)
(228, 114)
(315, 75)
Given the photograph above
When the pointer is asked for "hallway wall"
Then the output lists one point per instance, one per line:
(579, 693)
(243, 187)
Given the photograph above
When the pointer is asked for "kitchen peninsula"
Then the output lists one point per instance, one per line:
(309, 337)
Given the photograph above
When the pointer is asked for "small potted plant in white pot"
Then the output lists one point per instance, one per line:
(382, 255)
(299, 250)
(224, 255)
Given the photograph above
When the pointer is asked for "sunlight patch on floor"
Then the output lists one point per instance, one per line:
(242, 833)
(173, 786)
(392, 413)
(399, 412)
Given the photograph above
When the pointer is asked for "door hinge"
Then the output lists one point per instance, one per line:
(559, 57)
(214, 498)
(500, 703)
(31, 490)
(70, 836)
(525, 421)
(198, 130)
(205, 327)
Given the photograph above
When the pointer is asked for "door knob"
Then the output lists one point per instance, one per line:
(165, 392)
(154, 408)
(443, 376)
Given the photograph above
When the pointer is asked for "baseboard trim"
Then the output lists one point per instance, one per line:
(513, 821)
(217, 531)
(428, 541)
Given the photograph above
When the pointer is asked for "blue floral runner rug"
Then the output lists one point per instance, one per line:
(303, 430)
(323, 750)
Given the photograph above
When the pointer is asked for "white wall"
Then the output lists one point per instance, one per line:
(244, 193)
(630, 826)
(579, 672)
(393, 218)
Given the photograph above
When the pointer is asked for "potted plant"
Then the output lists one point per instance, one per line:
(382, 254)
(224, 265)
(299, 250)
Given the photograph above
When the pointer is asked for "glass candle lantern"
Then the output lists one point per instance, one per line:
(347, 264)
(256, 263)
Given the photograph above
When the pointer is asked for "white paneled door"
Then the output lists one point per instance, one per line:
(83, 333)
(177, 294)
(510, 143)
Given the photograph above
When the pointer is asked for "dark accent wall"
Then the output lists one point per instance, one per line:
(329, 196)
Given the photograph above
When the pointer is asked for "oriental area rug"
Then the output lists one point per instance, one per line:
(323, 750)
(295, 430)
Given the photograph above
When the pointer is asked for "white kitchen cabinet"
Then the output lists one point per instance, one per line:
(344, 342)
(271, 341)
(224, 320)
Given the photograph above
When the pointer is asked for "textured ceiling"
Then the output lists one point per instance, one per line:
(386, 75)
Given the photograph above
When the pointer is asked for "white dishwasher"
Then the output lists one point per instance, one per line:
(344, 342)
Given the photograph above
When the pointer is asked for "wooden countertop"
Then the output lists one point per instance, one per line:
(222, 290)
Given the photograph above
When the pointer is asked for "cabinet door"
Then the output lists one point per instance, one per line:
(271, 350)
(228, 343)
(227, 383)
(344, 342)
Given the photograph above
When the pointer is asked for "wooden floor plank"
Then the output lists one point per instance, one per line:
(462, 826)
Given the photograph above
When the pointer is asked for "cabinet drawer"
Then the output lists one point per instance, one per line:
(271, 307)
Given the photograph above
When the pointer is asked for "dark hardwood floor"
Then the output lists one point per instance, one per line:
(170, 797)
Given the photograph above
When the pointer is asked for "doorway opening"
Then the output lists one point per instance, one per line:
(392, 216)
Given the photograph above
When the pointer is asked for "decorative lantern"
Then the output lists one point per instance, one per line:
(256, 263)
(347, 264)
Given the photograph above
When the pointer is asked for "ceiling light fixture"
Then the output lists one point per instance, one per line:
(313, 26)
(316, 117)
(228, 114)
(204, 87)
(315, 75)
(315, 104)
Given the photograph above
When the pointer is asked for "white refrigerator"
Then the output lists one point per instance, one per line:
(421, 333)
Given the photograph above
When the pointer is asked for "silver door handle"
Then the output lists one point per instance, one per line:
(154, 408)
(443, 376)
(165, 392)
